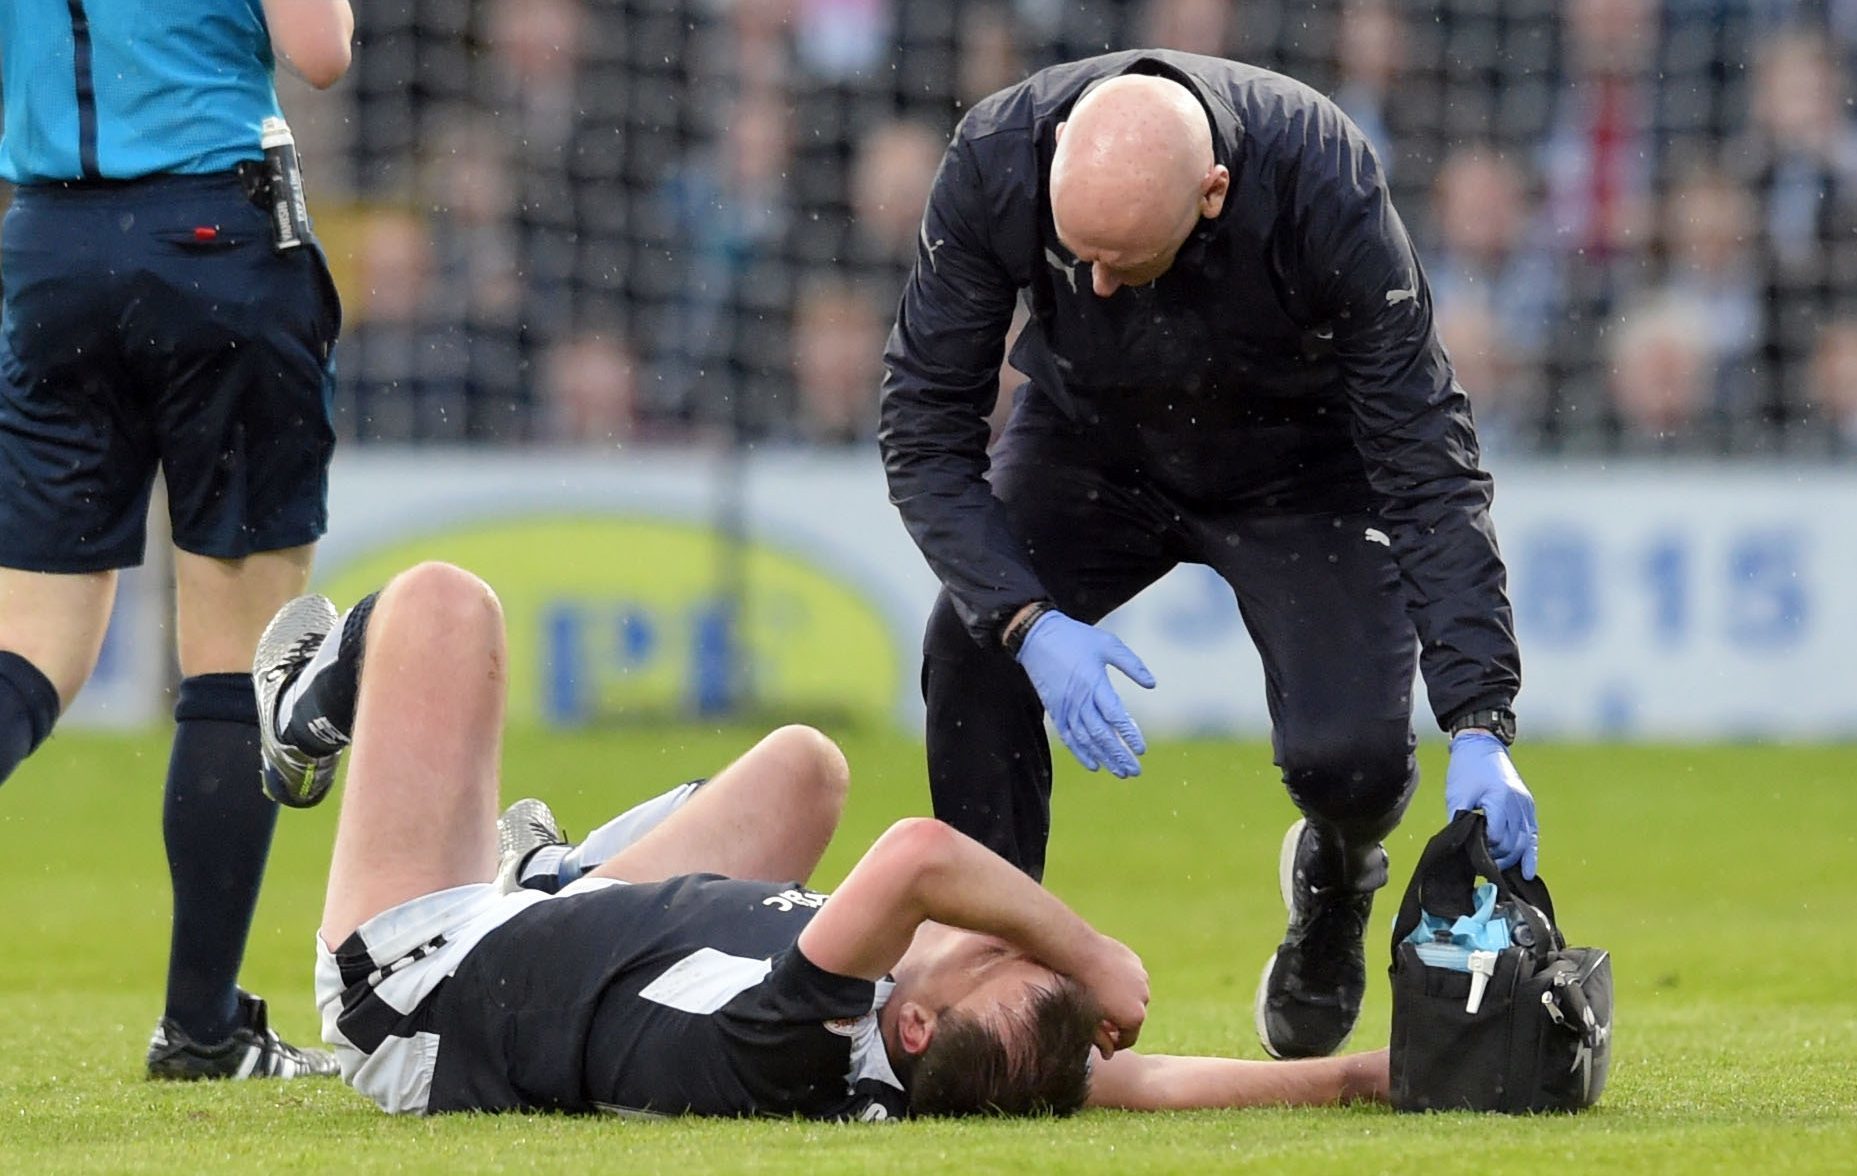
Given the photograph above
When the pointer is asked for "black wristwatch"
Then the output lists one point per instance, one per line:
(1020, 626)
(1497, 720)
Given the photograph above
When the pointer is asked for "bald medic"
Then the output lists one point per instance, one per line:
(1229, 361)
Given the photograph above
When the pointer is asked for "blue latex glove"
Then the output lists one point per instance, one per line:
(1068, 663)
(1481, 777)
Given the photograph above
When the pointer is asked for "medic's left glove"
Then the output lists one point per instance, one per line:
(1482, 777)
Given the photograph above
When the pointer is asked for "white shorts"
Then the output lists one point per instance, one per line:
(375, 992)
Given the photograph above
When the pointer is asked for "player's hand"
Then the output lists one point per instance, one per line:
(1116, 980)
(1068, 663)
(1481, 777)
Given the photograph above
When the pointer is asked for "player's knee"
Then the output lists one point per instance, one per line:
(66, 670)
(446, 596)
(820, 765)
(1349, 772)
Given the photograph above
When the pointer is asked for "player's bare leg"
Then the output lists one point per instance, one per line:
(419, 814)
(56, 622)
(768, 815)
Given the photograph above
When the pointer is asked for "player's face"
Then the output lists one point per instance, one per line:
(1007, 986)
(977, 974)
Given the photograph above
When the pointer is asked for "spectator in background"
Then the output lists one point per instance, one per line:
(724, 350)
(991, 57)
(838, 333)
(1838, 18)
(1486, 251)
(1503, 400)
(1803, 166)
(589, 390)
(1661, 369)
(1708, 230)
(403, 371)
(1370, 53)
(890, 181)
(1191, 26)
(603, 107)
(760, 60)
(479, 291)
(841, 40)
(535, 51)
(1600, 155)
(1598, 165)
(1832, 395)
(535, 93)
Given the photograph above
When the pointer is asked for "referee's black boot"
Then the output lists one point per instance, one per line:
(1310, 993)
(254, 1050)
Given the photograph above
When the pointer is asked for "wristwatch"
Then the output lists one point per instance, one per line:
(1497, 720)
(1020, 626)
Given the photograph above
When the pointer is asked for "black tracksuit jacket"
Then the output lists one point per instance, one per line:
(1289, 351)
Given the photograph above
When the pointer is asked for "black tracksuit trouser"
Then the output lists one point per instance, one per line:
(1318, 594)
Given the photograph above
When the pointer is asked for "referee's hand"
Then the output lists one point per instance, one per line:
(1068, 663)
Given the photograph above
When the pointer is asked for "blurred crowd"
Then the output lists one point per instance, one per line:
(601, 221)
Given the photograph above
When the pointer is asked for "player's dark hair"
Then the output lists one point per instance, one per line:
(1029, 1061)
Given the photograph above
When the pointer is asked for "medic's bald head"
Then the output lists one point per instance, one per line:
(1133, 174)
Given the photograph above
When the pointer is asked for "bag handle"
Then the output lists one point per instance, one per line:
(1444, 882)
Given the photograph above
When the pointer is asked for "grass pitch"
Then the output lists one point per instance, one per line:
(1721, 879)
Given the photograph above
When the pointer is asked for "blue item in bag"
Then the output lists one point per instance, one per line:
(1446, 943)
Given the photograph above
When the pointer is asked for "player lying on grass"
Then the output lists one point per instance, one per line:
(668, 977)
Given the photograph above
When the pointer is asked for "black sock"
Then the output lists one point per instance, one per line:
(322, 700)
(28, 708)
(217, 824)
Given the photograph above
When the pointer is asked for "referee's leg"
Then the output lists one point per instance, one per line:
(1095, 541)
(216, 823)
(76, 463)
(231, 344)
(51, 631)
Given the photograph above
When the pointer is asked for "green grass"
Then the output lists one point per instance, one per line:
(1721, 879)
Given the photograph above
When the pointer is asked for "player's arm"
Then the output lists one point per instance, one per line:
(1158, 1082)
(1410, 418)
(941, 378)
(312, 37)
(922, 869)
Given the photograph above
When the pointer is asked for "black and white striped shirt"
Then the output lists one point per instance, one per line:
(687, 996)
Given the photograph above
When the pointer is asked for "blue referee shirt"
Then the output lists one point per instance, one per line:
(118, 89)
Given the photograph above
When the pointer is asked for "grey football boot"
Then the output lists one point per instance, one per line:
(292, 776)
(524, 827)
(1310, 993)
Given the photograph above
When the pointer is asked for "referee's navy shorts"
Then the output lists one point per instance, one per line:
(148, 324)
